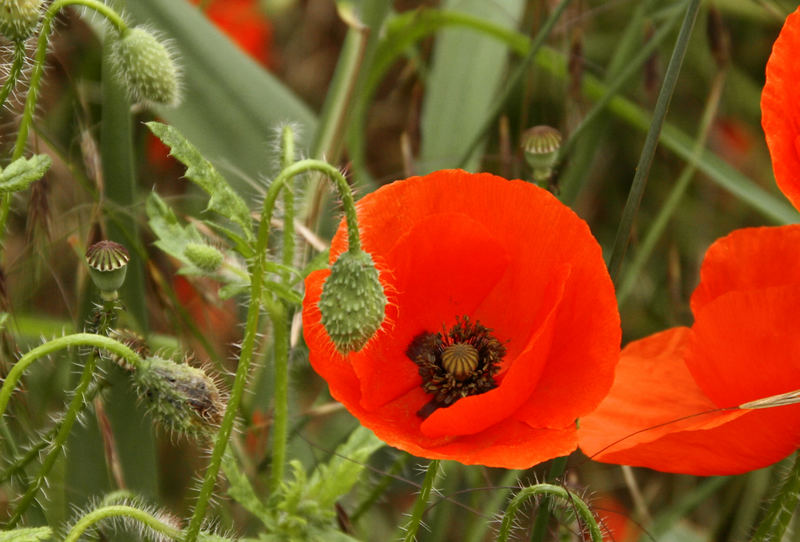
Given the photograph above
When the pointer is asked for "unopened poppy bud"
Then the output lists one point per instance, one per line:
(19, 18)
(203, 256)
(183, 399)
(541, 144)
(146, 67)
(108, 263)
(353, 302)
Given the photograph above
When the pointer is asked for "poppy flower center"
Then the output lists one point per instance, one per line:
(456, 363)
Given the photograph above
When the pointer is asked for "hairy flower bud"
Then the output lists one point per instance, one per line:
(203, 256)
(107, 263)
(353, 301)
(183, 399)
(541, 144)
(19, 18)
(146, 67)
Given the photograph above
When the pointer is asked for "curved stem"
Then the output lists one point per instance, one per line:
(581, 509)
(253, 313)
(121, 510)
(77, 339)
(287, 146)
(421, 504)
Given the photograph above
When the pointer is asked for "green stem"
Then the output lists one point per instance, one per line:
(376, 493)
(651, 141)
(68, 341)
(554, 491)
(520, 72)
(253, 313)
(280, 422)
(543, 513)
(75, 406)
(676, 194)
(287, 146)
(41, 53)
(13, 73)
(118, 510)
(421, 504)
(782, 508)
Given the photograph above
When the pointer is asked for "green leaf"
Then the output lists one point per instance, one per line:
(172, 237)
(329, 482)
(28, 534)
(240, 488)
(200, 171)
(453, 112)
(20, 173)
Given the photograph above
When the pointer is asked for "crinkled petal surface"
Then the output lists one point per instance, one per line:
(506, 254)
(780, 108)
(656, 416)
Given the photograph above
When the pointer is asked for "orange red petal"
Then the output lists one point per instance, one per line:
(780, 108)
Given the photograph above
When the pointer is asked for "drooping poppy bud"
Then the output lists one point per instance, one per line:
(19, 18)
(541, 144)
(353, 302)
(184, 399)
(146, 67)
(108, 263)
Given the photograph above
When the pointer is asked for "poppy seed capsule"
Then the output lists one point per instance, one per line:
(353, 302)
(19, 18)
(146, 67)
(541, 144)
(107, 263)
(184, 399)
(203, 256)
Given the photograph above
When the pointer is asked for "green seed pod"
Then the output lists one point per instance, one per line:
(183, 399)
(19, 18)
(146, 67)
(541, 144)
(353, 301)
(107, 263)
(203, 256)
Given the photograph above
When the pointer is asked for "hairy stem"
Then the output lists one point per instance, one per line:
(579, 506)
(68, 341)
(118, 510)
(421, 503)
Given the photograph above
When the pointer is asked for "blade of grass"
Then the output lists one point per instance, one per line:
(651, 141)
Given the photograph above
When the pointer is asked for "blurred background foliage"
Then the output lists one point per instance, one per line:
(386, 90)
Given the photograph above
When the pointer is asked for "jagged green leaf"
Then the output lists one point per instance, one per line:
(329, 482)
(20, 173)
(172, 236)
(28, 534)
(224, 200)
(240, 488)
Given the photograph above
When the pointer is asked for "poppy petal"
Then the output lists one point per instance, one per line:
(746, 259)
(653, 394)
(780, 108)
(745, 345)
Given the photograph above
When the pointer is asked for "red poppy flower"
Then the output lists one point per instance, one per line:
(780, 108)
(245, 24)
(499, 282)
(674, 405)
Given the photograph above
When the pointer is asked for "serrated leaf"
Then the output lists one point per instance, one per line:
(172, 237)
(20, 173)
(240, 488)
(223, 199)
(28, 534)
(329, 482)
